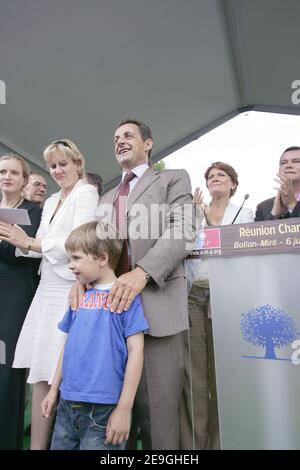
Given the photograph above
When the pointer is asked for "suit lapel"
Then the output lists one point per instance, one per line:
(144, 182)
(54, 202)
(114, 193)
(64, 206)
(229, 214)
(106, 204)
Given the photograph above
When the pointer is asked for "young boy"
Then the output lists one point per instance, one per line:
(100, 366)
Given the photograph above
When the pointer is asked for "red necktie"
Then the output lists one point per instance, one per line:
(124, 264)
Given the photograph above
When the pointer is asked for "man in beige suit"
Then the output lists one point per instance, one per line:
(160, 234)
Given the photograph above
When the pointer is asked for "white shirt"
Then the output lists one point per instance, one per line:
(245, 216)
(138, 171)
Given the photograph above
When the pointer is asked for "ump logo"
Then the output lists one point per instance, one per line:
(269, 328)
(212, 238)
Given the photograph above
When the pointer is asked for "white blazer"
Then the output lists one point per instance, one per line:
(245, 216)
(78, 208)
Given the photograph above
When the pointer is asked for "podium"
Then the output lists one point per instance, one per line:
(254, 283)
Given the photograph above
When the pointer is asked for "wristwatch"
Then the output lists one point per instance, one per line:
(147, 275)
(30, 242)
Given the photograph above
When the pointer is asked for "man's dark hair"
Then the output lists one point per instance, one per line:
(289, 149)
(145, 130)
(95, 180)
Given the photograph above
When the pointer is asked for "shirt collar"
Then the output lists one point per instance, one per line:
(103, 286)
(138, 170)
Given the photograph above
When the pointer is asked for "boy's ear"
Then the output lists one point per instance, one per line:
(103, 259)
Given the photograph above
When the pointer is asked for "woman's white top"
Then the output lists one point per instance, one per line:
(198, 272)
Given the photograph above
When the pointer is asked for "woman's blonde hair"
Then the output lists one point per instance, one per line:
(69, 150)
(23, 163)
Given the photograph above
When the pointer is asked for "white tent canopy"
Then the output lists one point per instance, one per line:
(74, 69)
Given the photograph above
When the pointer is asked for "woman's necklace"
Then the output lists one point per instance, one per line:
(16, 205)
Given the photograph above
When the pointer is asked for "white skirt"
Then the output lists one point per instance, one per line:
(40, 340)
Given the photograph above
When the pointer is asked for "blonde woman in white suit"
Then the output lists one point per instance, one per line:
(40, 341)
(199, 420)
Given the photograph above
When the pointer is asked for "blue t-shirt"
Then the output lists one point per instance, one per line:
(95, 352)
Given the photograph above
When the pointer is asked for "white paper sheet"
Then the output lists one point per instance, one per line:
(14, 216)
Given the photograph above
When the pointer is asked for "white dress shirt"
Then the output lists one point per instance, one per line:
(138, 171)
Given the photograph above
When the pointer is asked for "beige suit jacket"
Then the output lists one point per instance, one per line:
(160, 244)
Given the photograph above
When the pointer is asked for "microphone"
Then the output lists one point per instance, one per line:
(236, 215)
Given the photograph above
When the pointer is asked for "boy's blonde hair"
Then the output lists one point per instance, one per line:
(95, 238)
